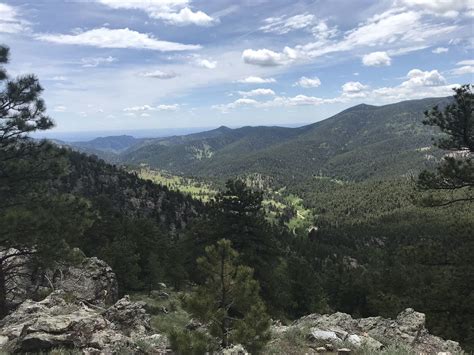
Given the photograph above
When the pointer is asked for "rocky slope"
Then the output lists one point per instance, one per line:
(341, 332)
(57, 322)
(78, 315)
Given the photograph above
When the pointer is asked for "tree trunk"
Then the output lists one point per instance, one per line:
(3, 293)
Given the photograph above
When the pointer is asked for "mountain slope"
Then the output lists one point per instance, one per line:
(359, 143)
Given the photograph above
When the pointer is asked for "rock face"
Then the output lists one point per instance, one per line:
(341, 330)
(90, 280)
(57, 322)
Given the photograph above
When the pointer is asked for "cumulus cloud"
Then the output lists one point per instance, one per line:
(257, 92)
(116, 38)
(440, 50)
(267, 58)
(208, 64)
(92, 62)
(305, 82)
(376, 59)
(417, 77)
(10, 21)
(146, 108)
(419, 84)
(158, 74)
(175, 12)
(354, 89)
(256, 80)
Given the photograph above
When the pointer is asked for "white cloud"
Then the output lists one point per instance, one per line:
(146, 108)
(299, 100)
(399, 30)
(59, 78)
(9, 20)
(376, 59)
(59, 108)
(466, 62)
(267, 58)
(279, 101)
(354, 89)
(175, 12)
(208, 64)
(447, 8)
(419, 84)
(158, 74)
(282, 25)
(417, 77)
(256, 80)
(257, 92)
(92, 62)
(464, 67)
(305, 82)
(116, 38)
(237, 103)
(439, 50)
(184, 17)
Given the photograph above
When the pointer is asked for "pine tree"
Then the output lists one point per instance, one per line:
(34, 223)
(228, 301)
(456, 171)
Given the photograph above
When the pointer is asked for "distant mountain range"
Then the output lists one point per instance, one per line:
(359, 143)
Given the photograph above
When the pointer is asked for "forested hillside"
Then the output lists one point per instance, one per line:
(359, 143)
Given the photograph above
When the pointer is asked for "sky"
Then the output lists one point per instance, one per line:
(153, 64)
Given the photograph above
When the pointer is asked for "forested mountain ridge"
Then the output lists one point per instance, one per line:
(356, 144)
(94, 179)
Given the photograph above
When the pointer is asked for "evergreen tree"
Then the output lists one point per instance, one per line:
(228, 301)
(34, 223)
(456, 171)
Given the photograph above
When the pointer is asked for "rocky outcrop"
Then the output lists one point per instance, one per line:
(87, 279)
(341, 331)
(92, 281)
(57, 321)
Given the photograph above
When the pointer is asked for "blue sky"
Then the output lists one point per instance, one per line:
(150, 64)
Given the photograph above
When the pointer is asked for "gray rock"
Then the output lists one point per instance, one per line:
(57, 321)
(317, 334)
(373, 333)
(90, 280)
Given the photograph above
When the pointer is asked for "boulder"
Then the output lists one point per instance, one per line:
(88, 279)
(92, 281)
(317, 335)
(58, 321)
